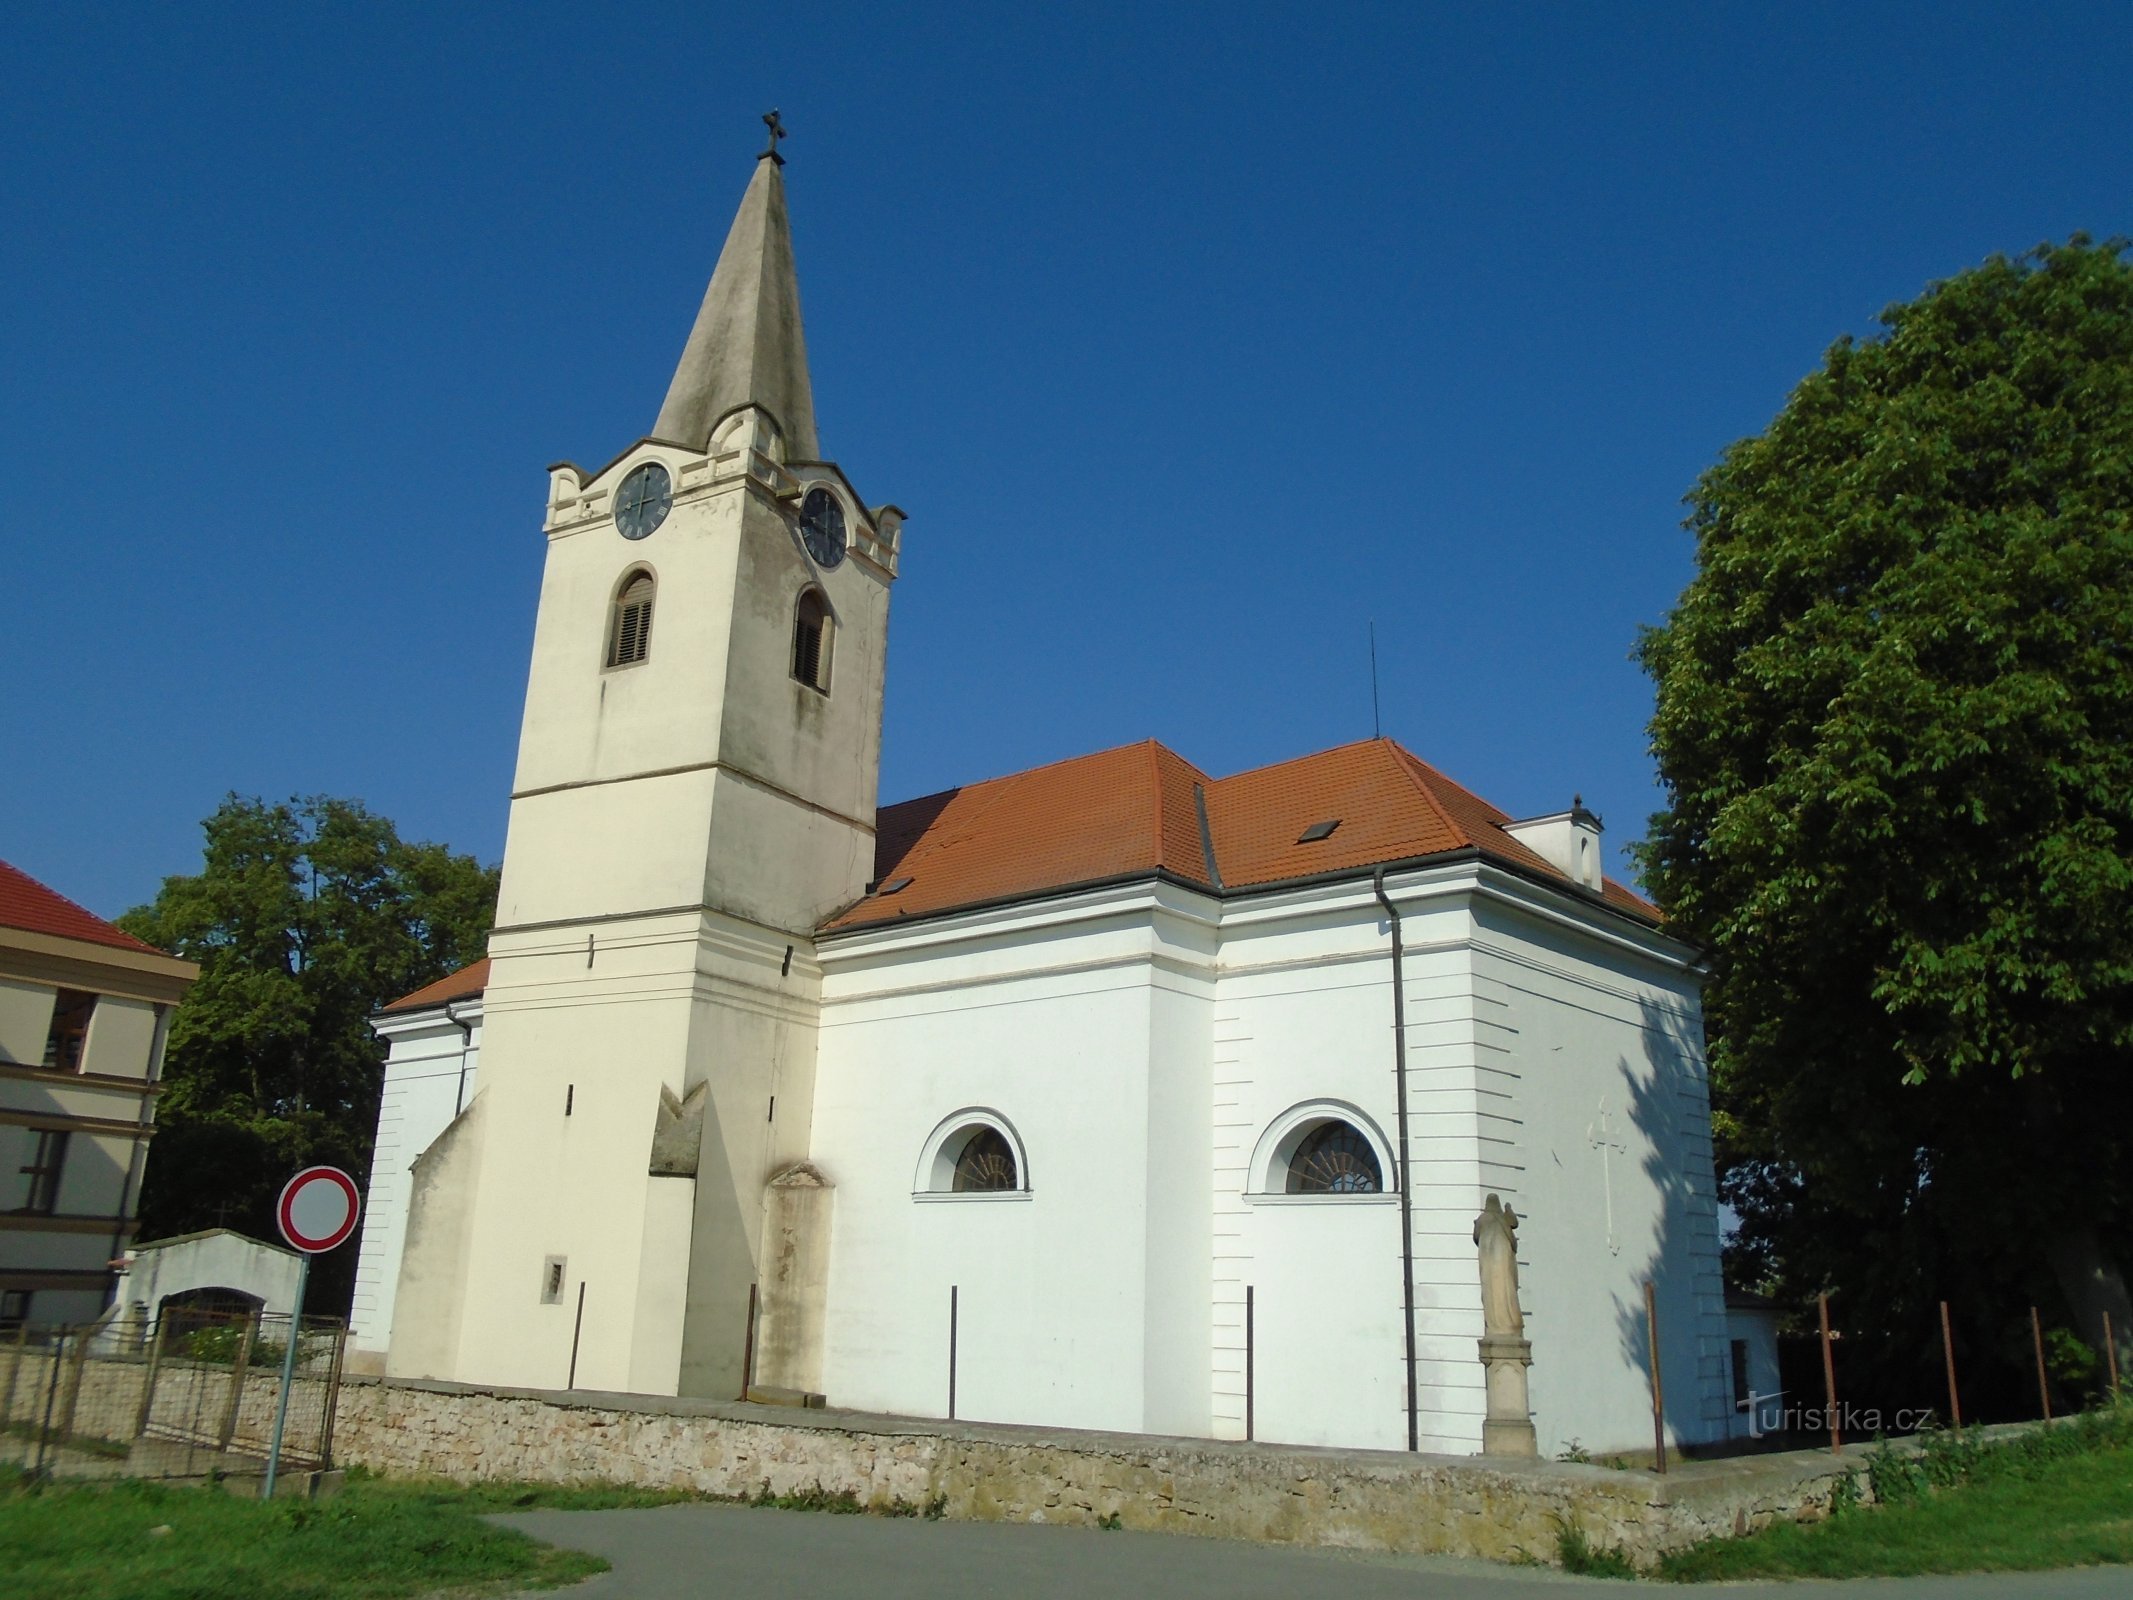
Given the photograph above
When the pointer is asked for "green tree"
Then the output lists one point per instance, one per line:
(305, 917)
(1895, 724)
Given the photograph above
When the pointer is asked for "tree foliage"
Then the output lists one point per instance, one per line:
(1895, 725)
(306, 917)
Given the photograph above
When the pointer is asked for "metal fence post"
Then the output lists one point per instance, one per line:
(1829, 1377)
(2110, 1353)
(332, 1402)
(238, 1367)
(51, 1397)
(748, 1344)
(22, 1342)
(148, 1381)
(1249, 1355)
(1651, 1338)
(1947, 1347)
(2036, 1333)
(74, 1371)
(952, 1292)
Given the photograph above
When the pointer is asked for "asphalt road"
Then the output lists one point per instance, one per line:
(710, 1552)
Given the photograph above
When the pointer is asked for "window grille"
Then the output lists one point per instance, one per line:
(70, 1030)
(1335, 1158)
(47, 1157)
(987, 1163)
(810, 641)
(630, 638)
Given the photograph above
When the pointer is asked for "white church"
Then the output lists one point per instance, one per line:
(1112, 1094)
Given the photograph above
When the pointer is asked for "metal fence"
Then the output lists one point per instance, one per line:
(191, 1394)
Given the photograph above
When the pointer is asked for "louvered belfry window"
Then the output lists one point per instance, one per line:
(630, 636)
(811, 641)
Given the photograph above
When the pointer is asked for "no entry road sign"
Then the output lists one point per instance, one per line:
(318, 1209)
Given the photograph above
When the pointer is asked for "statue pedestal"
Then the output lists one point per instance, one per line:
(1508, 1428)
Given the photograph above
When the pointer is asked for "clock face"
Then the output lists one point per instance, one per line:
(646, 496)
(822, 526)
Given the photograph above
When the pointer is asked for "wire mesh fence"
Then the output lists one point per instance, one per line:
(191, 1394)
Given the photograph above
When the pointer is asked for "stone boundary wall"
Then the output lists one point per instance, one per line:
(1356, 1499)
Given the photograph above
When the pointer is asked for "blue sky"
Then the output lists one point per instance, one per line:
(1192, 338)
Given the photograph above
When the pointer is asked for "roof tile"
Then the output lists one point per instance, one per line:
(1135, 810)
(467, 982)
(27, 904)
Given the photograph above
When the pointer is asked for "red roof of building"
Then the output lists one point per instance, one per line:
(27, 904)
(1137, 811)
(464, 984)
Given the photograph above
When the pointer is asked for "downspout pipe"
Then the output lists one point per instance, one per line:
(466, 1043)
(1407, 1187)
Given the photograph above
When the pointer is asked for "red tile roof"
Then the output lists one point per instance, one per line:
(464, 984)
(25, 903)
(1136, 811)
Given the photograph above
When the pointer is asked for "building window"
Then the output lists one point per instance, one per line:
(1740, 1374)
(70, 1030)
(629, 633)
(552, 1281)
(811, 627)
(986, 1164)
(14, 1308)
(40, 1194)
(1335, 1158)
(975, 1153)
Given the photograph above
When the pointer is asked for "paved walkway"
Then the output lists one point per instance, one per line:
(713, 1552)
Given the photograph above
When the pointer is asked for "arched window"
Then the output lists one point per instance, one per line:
(629, 630)
(987, 1163)
(974, 1152)
(811, 628)
(1322, 1150)
(1335, 1158)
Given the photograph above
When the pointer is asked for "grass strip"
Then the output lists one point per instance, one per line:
(2058, 1496)
(378, 1539)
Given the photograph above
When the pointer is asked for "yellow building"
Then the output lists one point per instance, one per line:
(84, 1012)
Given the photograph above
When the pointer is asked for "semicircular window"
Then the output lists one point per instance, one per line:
(987, 1163)
(1335, 1158)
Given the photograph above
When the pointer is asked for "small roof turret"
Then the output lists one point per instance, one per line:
(747, 347)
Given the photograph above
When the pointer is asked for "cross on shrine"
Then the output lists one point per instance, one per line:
(1602, 1139)
(777, 132)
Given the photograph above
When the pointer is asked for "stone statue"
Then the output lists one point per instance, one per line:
(1507, 1429)
(1496, 1231)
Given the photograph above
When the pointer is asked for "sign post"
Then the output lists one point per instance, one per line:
(317, 1212)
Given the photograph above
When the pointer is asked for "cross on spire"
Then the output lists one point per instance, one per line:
(777, 132)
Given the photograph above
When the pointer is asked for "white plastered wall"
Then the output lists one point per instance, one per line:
(431, 1068)
(1598, 1044)
(1081, 1302)
(1305, 1017)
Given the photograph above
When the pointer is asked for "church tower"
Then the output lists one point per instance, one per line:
(695, 792)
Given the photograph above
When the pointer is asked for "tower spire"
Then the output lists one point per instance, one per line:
(747, 347)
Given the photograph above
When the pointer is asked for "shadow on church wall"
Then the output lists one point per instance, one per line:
(1666, 1094)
